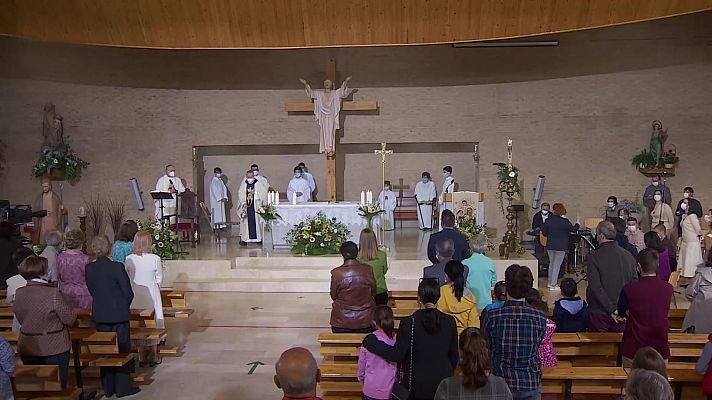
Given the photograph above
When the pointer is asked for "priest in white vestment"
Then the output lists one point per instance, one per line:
(218, 198)
(327, 105)
(425, 194)
(448, 187)
(256, 171)
(172, 184)
(251, 196)
(298, 186)
(387, 199)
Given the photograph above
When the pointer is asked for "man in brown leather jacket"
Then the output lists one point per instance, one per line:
(353, 288)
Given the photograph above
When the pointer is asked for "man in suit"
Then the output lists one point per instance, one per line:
(111, 292)
(448, 232)
(444, 249)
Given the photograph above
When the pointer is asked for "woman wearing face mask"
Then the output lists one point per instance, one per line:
(690, 250)
(662, 213)
(612, 208)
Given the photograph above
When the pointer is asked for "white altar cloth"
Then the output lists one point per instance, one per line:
(344, 212)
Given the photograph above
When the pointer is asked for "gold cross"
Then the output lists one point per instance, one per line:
(383, 153)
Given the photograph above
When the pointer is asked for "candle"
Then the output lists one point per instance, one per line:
(294, 198)
(82, 212)
(369, 197)
(509, 151)
(276, 198)
(363, 198)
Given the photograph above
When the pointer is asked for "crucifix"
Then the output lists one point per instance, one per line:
(400, 186)
(383, 153)
(326, 105)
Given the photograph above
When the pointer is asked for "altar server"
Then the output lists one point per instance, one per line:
(425, 194)
(168, 183)
(256, 171)
(251, 196)
(387, 200)
(299, 186)
(310, 178)
(448, 187)
(218, 198)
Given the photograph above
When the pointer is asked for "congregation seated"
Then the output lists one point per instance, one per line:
(352, 289)
(71, 265)
(433, 336)
(610, 268)
(45, 317)
(481, 275)
(570, 311)
(8, 246)
(369, 254)
(111, 292)
(456, 299)
(296, 374)
(699, 293)
(123, 245)
(445, 249)
(448, 231)
(476, 380)
(52, 239)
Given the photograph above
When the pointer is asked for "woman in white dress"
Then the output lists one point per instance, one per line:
(144, 269)
(690, 250)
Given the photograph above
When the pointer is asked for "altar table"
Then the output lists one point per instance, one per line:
(344, 212)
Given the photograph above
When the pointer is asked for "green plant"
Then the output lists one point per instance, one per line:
(644, 159)
(268, 214)
(632, 205)
(508, 175)
(370, 211)
(60, 158)
(165, 241)
(670, 157)
(317, 235)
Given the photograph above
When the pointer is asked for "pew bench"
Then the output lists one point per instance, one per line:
(41, 382)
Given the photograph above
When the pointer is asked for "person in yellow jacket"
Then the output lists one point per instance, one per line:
(456, 299)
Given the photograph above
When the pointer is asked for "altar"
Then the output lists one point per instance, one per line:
(344, 212)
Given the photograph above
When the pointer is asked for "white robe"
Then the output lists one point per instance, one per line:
(299, 185)
(218, 197)
(260, 199)
(327, 105)
(448, 187)
(263, 180)
(146, 274)
(425, 192)
(162, 186)
(387, 200)
(310, 179)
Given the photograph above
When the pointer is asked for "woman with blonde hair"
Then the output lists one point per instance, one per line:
(71, 265)
(145, 271)
(369, 254)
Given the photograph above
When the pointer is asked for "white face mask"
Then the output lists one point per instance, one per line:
(683, 206)
(656, 183)
(632, 228)
(658, 197)
(544, 212)
(172, 174)
(424, 180)
(708, 218)
(256, 172)
(250, 180)
(686, 195)
(298, 175)
(386, 188)
(446, 174)
(611, 204)
(218, 175)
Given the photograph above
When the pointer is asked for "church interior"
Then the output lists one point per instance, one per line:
(528, 104)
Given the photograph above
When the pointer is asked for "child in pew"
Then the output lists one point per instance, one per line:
(499, 295)
(546, 348)
(376, 374)
(570, 311)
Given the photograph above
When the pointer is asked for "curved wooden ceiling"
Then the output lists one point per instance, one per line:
(192, 24)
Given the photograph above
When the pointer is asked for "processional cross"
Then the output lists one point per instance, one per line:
(326, 107)
(383, 153)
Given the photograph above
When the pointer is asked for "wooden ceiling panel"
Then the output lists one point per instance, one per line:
(316, 23)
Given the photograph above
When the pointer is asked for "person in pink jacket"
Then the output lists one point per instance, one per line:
(376, 374)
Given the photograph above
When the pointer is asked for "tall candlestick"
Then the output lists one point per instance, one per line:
(509, 151)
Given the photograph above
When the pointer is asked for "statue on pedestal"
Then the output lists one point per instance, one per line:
(657, 141)
(50, 201)
(52, 126)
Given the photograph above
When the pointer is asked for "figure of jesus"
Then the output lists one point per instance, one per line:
(327, 105)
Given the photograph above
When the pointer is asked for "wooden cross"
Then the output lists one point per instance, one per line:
(400, 187)
(346, 106)
(383, 153)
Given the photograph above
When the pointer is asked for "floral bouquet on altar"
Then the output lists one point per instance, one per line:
(469, 227)
(370, 211)
(164, 240)
(317, 235)
(59, 161)
(268, 214)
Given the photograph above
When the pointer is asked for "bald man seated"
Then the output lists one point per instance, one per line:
(297, 374)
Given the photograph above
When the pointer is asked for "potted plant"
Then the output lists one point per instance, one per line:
(644, 160)
(670, 158)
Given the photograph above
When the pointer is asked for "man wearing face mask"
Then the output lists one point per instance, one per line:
(387, 200)
(310, 179)
(172, 184)
(448, 187)
(612, 208)
(218, 198)
(263, 179)
(694, 206)
(634, 235)
(537, 222)
(299, 186)
(252, 195)
(425, 194)
(649, 200)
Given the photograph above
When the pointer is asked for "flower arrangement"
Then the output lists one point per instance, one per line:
(268, 214)
(632, 205)
(508, 175)
(670, 158)
(61, 159)
(317, 235)
(469, 227)
(164, 240)
(370, 211)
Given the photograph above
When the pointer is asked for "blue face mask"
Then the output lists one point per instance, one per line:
(424, 180)
(446, 174)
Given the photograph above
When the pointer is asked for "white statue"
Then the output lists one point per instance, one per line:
(327, 105)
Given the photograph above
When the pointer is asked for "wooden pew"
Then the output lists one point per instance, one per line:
(41, 382)
(173, 298)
